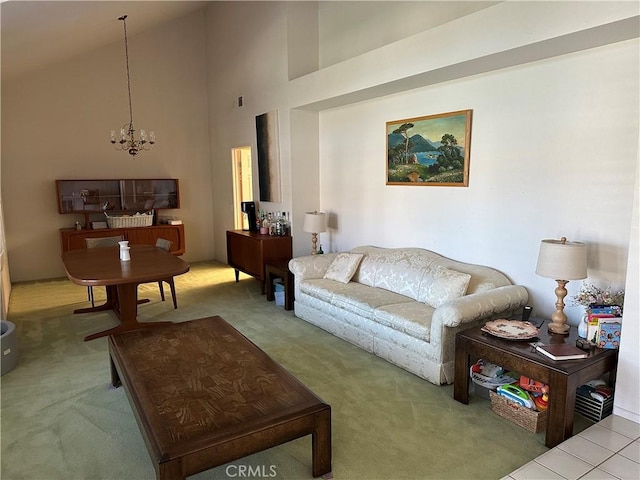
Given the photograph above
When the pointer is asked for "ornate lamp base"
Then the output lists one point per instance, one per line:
(558, 318)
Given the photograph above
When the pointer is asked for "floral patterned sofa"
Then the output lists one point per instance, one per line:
(402, 304)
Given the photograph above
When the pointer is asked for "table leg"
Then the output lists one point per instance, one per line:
(288, 291)
(109, 304)
(126, 307)
(115, 377)
(612, 376)
(170, 470)
(321, 444)
(562, 398)
(269, 286)
(461, 372)
(127, 303)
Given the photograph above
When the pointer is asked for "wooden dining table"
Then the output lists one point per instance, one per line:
(102, 266)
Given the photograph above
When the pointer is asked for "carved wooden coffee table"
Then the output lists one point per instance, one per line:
(204, 395)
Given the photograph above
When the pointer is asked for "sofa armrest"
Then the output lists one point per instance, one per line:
(476, 306)
(311, 266)
(307, 267)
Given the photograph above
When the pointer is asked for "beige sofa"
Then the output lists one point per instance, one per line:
(402, 304)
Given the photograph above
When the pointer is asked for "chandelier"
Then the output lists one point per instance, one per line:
(127, 140)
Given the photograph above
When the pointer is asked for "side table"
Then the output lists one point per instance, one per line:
(563, 377)
(280, 270)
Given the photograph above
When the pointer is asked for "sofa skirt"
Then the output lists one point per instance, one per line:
(416, 362)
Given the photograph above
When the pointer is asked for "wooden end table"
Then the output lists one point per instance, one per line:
(563, 377)
(280, 270)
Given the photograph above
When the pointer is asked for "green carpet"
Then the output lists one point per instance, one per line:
(61, 420)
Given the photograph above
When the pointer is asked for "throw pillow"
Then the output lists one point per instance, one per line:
(343, 267)
(443, 285)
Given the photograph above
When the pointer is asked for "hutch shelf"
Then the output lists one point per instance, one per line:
(94, 198)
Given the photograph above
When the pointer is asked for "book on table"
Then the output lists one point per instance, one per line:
(561, 351)
(609, 332)
(603, 329)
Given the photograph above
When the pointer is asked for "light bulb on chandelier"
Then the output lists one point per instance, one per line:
(127, 140)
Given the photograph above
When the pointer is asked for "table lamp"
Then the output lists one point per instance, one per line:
(314, 223)
(562, 261)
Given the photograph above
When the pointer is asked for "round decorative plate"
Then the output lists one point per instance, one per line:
(511, 329)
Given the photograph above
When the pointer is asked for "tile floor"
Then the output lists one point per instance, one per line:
(609, 449)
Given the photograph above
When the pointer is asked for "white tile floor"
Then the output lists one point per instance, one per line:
(610, 449)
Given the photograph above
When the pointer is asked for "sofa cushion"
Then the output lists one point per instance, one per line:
(352, 296)
(441, 285)
(369, 266)
(399, 270)
(343, 267)
(412, 318)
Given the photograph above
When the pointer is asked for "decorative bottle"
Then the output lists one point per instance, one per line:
(272, 224)
(286, 225)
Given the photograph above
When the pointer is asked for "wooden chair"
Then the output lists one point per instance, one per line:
(166, 245)
(96, 243)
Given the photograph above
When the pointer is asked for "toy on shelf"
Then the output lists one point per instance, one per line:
(516, 395)
(539, 392)
(489, 375)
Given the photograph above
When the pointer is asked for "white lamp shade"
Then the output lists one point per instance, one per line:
(314, 222)
(562, 260)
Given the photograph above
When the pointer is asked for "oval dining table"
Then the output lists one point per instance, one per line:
(102, 266)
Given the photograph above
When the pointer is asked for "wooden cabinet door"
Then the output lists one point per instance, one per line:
(72, 239)
(249, 252)
(243, 253)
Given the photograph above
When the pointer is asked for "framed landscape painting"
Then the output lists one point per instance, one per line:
(431, 150)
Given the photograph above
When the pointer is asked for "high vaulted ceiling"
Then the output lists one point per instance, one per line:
(38, 33)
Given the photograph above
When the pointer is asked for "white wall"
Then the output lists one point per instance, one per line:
(56, 123)
(256, 68)
(626, 399)
(542, 158)
(381, 24)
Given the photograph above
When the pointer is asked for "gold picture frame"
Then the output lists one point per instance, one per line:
(432, 150)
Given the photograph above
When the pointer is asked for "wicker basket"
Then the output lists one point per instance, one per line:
(528, 419)
(130, 221)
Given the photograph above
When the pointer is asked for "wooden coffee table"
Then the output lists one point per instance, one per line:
(563, 377)
(204, 395)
